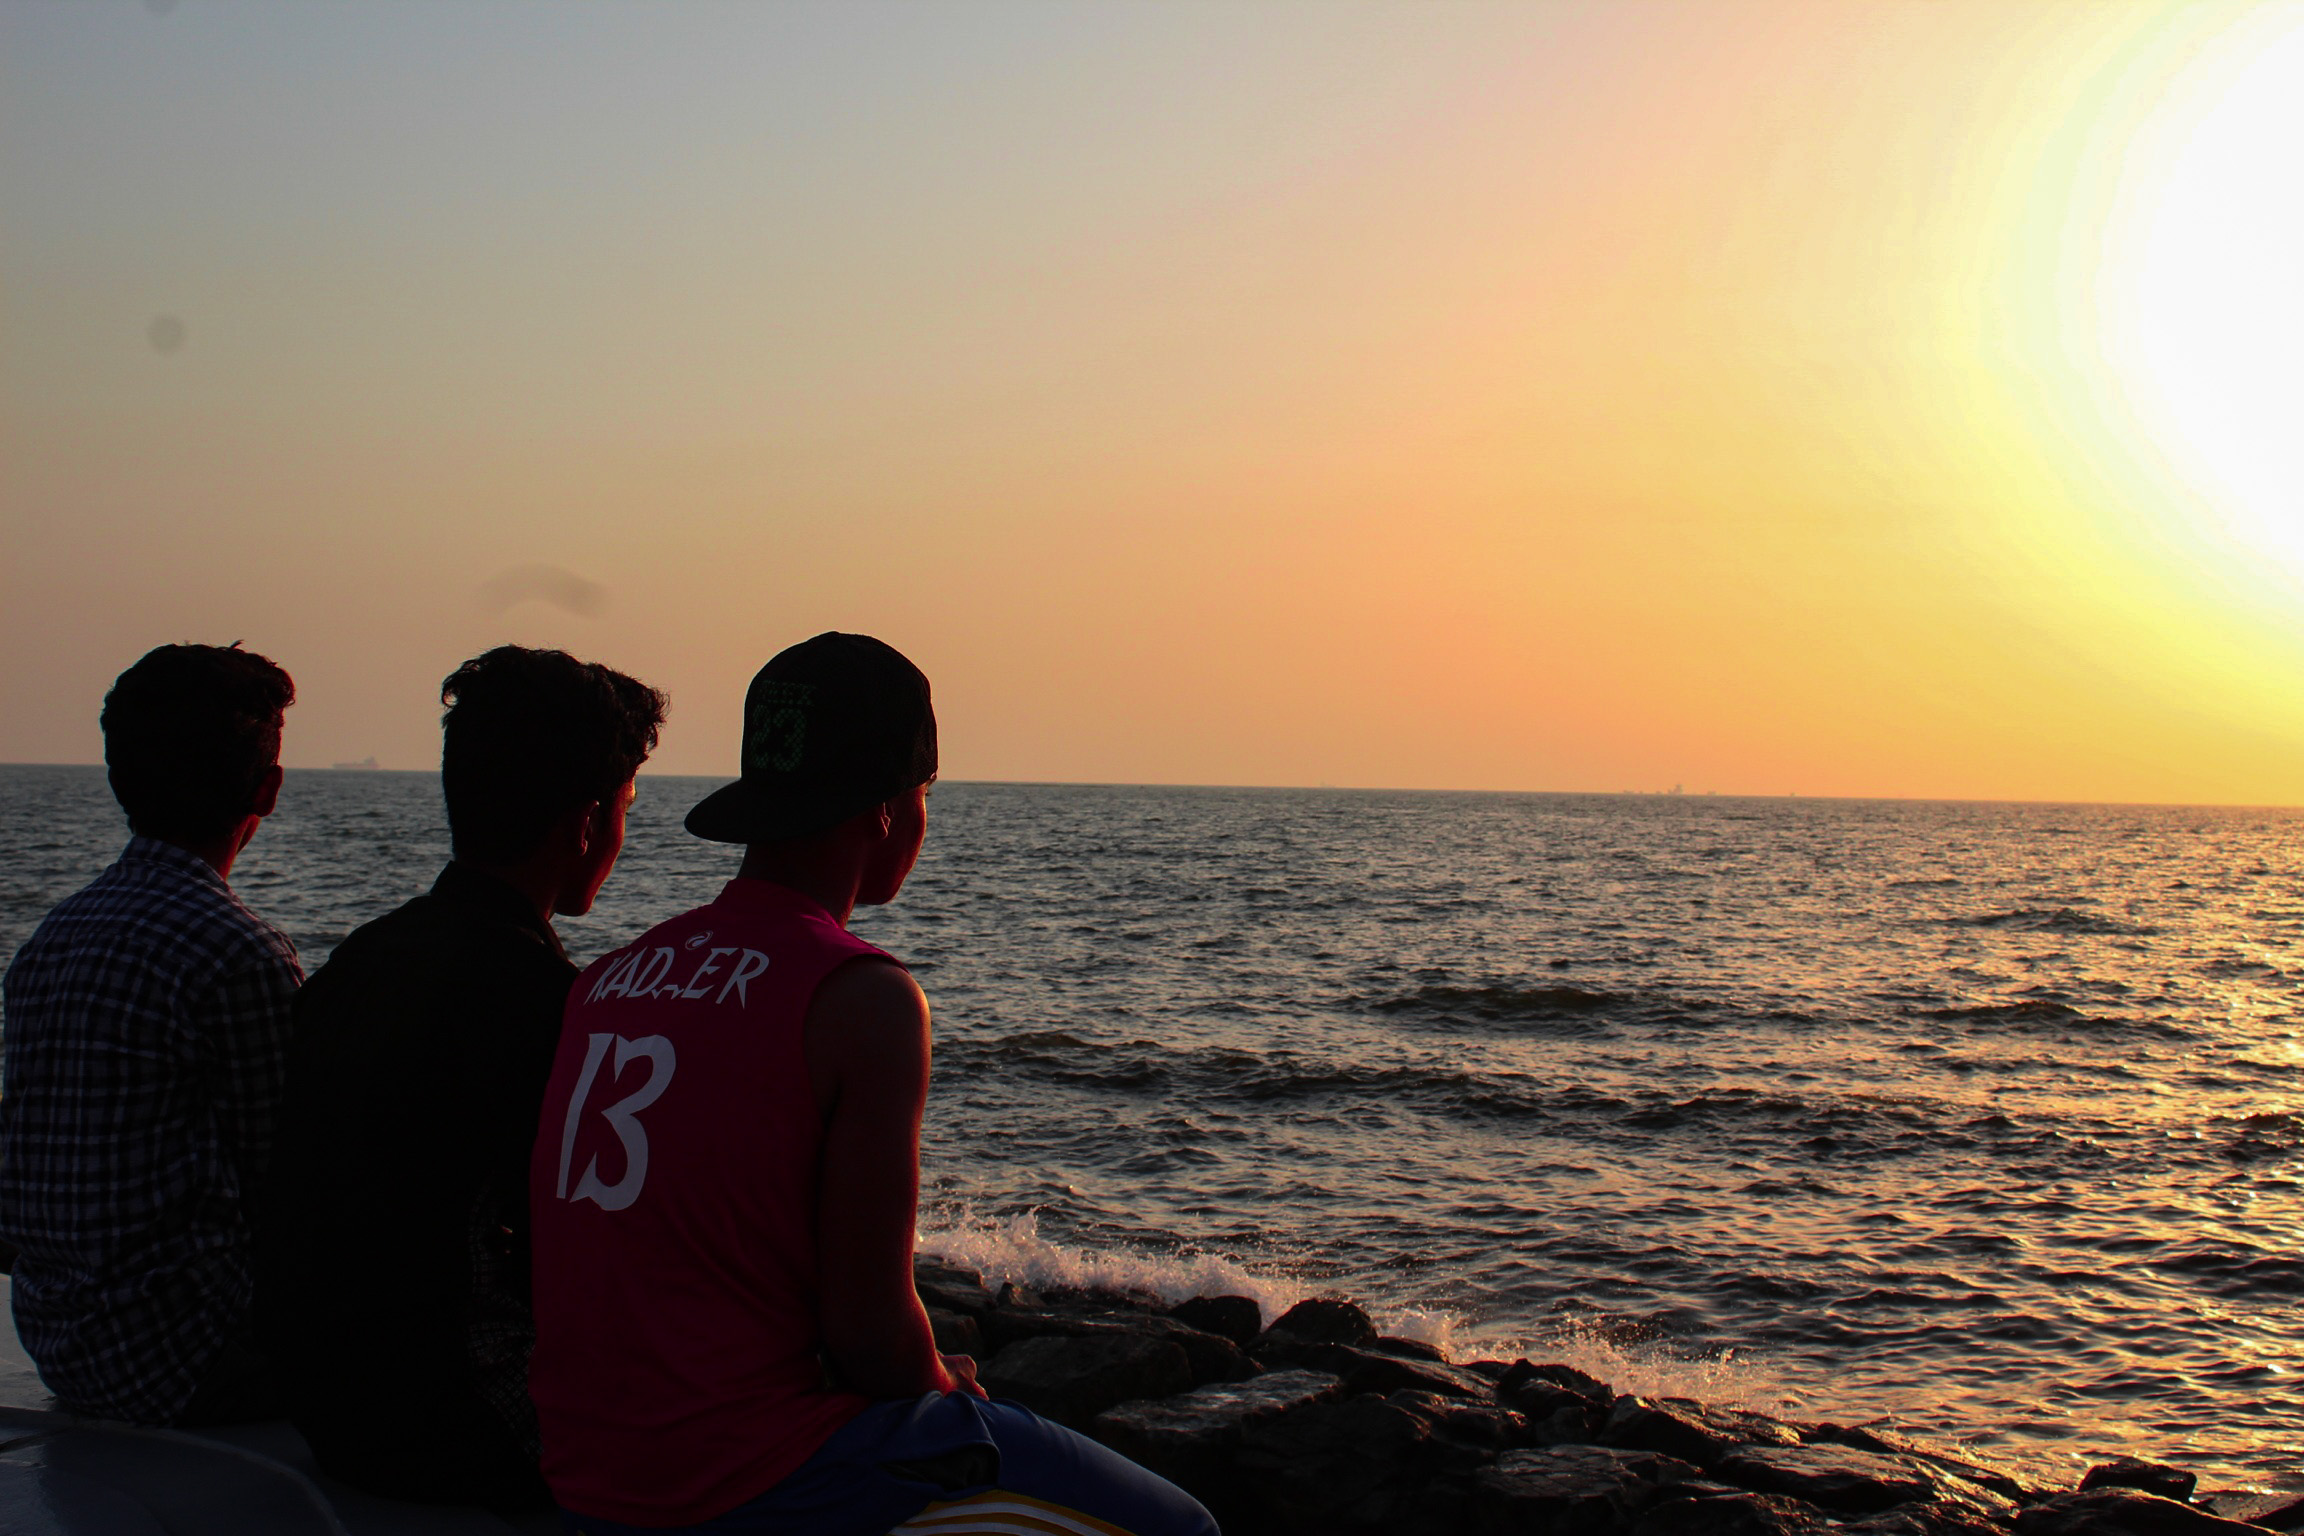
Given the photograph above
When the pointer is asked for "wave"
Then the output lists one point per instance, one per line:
(1500, 1004)
(1013, 1249)
(2051, 920)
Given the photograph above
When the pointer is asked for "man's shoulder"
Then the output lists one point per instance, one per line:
(159, 919)
(428, 948)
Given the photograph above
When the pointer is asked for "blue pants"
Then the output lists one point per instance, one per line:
(951, 1462)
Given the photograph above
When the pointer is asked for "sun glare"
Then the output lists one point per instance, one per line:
(2205, 282)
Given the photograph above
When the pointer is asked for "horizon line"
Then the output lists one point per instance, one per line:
(1381, 789)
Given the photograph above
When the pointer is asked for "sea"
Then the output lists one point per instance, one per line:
(1985, 1120)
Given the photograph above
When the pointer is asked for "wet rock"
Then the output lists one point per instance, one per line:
(1098, 1298)
(1733, 1514)
(1327, 1320)
(1364, 1370)
(2124, 1512)
(1925, 1520)
(1014, 1295)
(1697, 1488)
(1836, 1477)
(1570, 1490)
(1210, 1358)
(1557, 1414)
(2151, 1476)
(1483, 1425)
(1494, 1370)
(2286, 1516)
(1190, 1438)
(1408, 1349)
(1228, 1317)
(1071, 1379)
(956, 1332)
(1689, 1430)
(949, 1288)
(1890, 1443)
(1591, 1388)
(1359, 1464)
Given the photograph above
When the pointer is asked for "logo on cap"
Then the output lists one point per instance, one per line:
(778, 731)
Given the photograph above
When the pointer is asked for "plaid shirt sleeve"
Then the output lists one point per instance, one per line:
(244, 1025)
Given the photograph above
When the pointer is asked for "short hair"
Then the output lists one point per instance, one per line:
(531, 735)
(189, 733)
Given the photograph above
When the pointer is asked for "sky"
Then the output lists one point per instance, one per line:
(1890, 399)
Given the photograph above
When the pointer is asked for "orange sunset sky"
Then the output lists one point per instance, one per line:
(1851, 398)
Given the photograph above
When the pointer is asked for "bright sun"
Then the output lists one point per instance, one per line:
(2206, 286)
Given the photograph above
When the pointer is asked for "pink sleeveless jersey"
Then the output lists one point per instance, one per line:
(673, 1189)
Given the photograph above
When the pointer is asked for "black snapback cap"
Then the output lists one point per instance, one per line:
(832, 726)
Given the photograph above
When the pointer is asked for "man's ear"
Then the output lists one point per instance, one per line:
(590, 823)
(267, 792)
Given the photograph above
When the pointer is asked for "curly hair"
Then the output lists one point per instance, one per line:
(189, 733)
(531, 735)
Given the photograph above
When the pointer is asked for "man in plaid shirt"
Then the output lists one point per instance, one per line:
(145, 1050)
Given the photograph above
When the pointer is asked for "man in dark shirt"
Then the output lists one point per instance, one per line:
(393, 1279)
(147, 1036)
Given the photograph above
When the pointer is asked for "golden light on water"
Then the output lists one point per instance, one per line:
(2204, 283)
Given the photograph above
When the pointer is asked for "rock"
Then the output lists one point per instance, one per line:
(1014, 1295)
(1098, 1298)
(1924, 1520)
(1736, 1513)
(1359, 1464)
(1408, 1349)
(1364, 1370)
(1327, 1320)
(2151, 1476)
(1689, 1430)
(1072, 1379)
(1190, 1438)
(2288, 1516)
(2123, 1512)
(1591, 1388)
(1837, 1477)
(1494, 1370)
(1483, 1425)
(1569, 1490)
(1228, 1317)
(956, 1332)
(1890, 1443)
(1211, 1358)
(1557, 1414)
(949, 1288)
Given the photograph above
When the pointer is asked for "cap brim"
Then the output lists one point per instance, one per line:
(737, 813)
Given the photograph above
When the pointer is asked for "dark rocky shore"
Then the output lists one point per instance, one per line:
(1318, 1424)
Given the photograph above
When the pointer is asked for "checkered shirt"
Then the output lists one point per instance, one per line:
(144, 1056)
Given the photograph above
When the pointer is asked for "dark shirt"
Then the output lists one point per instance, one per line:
(146, 1040)
(393, 1287)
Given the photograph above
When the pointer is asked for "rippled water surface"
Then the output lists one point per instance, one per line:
(1989, 1118)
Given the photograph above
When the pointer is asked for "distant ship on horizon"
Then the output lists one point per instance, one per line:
(366, 764)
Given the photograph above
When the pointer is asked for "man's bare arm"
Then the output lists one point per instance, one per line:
(867, 1045)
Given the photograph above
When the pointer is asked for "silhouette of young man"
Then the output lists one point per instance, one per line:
(394, 1277)
(726, 1173)
(146, 1039)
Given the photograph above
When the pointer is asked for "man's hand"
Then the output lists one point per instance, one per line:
(963, 1369)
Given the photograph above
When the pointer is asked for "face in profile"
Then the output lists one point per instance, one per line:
(892, 859)
(604, 843)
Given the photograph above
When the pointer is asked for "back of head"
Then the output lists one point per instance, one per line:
(190, 733)
(531, 735)
(832, 726)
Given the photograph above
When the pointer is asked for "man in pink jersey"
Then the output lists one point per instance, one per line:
(726, 1173)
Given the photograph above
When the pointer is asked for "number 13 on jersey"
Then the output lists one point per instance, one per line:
(623, 1117)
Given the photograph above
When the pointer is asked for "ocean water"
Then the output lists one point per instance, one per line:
(1987, 1119)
